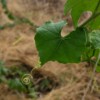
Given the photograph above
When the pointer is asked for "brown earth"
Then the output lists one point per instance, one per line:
(17, 46)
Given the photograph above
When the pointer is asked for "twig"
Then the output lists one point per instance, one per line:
(90, 82)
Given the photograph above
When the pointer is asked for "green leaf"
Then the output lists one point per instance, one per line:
(78, 7)
(53, 47)
(94, 38)
(16, 85)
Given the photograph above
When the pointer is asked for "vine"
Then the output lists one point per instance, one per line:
(16, 20)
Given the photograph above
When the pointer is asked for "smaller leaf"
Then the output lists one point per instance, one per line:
(3, 69)
(16, 85)
(94, 38)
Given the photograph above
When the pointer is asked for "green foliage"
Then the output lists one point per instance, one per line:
(16, 84)
(80, 44)
(94, 38)
(52, 46)
(12, 77)
(78, 7)
(3, 70)
(71, 48)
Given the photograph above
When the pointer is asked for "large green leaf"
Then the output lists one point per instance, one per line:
(94, 38)
(78, 7)
(53, 47)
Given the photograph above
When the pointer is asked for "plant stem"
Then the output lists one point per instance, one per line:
(93, 74)
(96, 7)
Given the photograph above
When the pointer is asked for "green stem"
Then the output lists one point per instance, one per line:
(96, 7)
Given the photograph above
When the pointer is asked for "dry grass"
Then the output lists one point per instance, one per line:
(17, 46)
